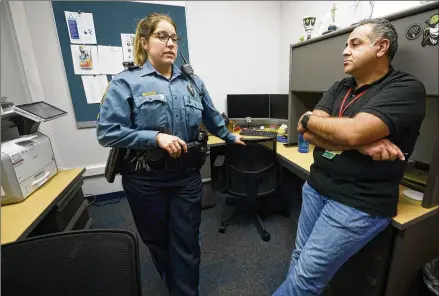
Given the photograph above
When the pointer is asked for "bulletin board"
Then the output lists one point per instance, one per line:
(111, 18)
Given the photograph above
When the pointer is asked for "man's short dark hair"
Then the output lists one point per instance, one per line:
(382, 28)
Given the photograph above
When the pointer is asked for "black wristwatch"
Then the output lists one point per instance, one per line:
(305, 120)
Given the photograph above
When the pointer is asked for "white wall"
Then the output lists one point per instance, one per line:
(13, 79)
(233, 46)
(292, 13)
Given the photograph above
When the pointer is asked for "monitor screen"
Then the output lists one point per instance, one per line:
(242, 106)
(279, 106)
(42, 110)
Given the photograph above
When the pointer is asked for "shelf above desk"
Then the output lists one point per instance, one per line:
(18, 220)
(410, 212)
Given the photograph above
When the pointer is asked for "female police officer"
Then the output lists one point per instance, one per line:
(155, 109)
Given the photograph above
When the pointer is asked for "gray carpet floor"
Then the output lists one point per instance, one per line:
(235, 263)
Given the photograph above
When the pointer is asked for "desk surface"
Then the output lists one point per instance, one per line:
(20, 218)
(409, 211)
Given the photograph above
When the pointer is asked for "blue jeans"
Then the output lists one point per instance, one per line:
(328, 234)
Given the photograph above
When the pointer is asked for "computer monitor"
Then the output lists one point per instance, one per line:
(279, 106)
(242, 106)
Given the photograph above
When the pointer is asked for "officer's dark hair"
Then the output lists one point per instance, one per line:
(382, 29)
(145, 28)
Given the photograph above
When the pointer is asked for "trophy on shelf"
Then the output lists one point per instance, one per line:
(308, 24)
(332, 27)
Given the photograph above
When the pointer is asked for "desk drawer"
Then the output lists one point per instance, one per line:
(374, 258)
(365, 273)
(353, 282)
(59, 217)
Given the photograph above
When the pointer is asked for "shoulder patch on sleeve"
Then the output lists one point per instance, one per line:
(104, 96)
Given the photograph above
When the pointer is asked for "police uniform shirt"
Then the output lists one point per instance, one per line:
(140, 102)
(352, 178)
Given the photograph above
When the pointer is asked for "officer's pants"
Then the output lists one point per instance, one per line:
(166, 207)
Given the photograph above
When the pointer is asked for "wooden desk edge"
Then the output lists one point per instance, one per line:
(297, 170)
(415, 220)
(43, 214)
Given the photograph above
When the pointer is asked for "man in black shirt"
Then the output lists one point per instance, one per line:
(364, 128)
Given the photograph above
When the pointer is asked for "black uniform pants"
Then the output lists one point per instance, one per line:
(166, 207)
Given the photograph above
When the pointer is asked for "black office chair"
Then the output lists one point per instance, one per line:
(86, 263)
(252, 173)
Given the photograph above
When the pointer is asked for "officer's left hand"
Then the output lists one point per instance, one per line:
(239, 140)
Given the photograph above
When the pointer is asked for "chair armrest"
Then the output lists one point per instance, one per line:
(219, 161)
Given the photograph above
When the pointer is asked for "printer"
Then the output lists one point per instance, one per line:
(27, 158)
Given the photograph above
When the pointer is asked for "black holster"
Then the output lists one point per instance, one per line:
(114, 163)
(197, 150)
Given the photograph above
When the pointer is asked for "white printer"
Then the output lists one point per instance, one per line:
(27, 163)
(27, 159)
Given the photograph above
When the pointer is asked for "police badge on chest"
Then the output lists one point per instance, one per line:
(191, 89)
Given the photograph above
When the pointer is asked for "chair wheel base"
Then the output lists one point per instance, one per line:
(222, 228)
(266, 236)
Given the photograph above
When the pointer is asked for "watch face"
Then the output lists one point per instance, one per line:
(305, 118)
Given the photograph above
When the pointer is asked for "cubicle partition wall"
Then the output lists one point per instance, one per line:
(317, 63)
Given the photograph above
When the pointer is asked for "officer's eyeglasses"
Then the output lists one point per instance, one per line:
(164, 37)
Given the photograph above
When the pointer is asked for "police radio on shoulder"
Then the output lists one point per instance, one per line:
(130, 66)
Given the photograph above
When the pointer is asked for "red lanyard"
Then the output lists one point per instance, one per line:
(342, 110)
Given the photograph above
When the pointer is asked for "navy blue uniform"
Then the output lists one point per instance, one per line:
(166, 204)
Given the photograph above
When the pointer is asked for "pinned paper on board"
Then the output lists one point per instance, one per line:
(110, 59)
(85, 59)
(94, 87)
(81, 27)
(127, 47)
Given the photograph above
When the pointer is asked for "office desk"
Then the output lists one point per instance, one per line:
(390, 263)
(20, 219)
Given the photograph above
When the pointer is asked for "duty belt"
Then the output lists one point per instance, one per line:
(122, 158)
(160, 160)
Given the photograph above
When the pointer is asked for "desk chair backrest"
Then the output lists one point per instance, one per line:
(85, 263)
(251, 170)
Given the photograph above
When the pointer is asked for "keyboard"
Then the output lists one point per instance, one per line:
(258, 133)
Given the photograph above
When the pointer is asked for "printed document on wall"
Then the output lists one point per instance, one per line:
(127, 47)
(94, 87)
(81, 27)
(85, 59)
(110, 59)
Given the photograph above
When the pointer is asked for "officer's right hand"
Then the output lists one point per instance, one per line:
(172, 144)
